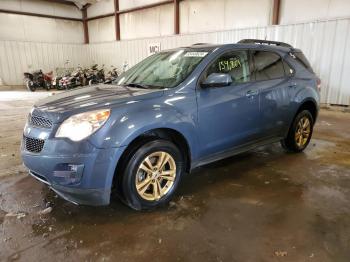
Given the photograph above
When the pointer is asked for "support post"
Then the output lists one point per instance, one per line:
(177, 17)
(117, 20)
(276, 12)
(85, 25)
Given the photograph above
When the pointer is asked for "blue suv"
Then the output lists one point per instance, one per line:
(174, 111)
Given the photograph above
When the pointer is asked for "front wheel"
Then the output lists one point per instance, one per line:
(152, 175)
(30, 86)
(300, 132)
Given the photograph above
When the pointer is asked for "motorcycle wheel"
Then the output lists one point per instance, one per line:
(91, 82)
(47, 86)
(30, 86)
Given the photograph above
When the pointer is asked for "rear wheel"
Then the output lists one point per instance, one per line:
(152, 175)
(300, 132)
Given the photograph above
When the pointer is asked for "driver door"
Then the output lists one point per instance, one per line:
(228, 116)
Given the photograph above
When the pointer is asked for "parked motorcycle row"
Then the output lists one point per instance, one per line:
(69, 79)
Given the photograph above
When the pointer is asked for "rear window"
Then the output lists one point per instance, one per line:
(300, 57)
(268, 65)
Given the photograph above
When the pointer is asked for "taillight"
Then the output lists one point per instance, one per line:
(318, 82)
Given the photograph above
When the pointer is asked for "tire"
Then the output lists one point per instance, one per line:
(30, 86)
(298, 139)
(47, 85)
(133, 177)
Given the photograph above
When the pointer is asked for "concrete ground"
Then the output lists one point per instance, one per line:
(264, 205)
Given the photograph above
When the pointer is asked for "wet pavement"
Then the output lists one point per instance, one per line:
(263, 205)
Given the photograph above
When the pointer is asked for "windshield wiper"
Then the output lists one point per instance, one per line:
(137, 85)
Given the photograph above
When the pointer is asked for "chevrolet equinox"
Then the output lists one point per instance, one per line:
(172, 112)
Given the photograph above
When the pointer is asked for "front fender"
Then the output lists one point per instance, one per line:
(139, 118)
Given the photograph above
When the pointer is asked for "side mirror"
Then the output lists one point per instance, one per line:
(217, 80)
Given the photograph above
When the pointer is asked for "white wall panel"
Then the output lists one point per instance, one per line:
(212, 15)
(126, 4)
(158, 21)
(326, 44)
(101, 8)
(9, 23)
(296, 11)
(38, 29)
(41, 7)
(102, 30)
(195, 16)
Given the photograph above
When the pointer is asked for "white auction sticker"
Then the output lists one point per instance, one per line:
(196, 54)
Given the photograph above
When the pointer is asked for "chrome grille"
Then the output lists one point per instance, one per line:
(33, 144)
(39, 121)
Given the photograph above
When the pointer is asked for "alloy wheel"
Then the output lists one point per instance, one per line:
(155, 176)
(303, 131)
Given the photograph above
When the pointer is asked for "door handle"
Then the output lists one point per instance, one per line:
(251, 93)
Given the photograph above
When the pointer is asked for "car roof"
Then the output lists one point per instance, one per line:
(205, 47)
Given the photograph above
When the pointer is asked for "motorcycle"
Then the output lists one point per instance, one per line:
(38, 79)
(56, 82)
(95, 75)
(111, 75)
(76, 78)
(73, 79)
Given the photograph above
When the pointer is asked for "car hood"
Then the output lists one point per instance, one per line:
(90, 98)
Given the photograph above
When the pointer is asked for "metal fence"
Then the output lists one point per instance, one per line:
(325, 43)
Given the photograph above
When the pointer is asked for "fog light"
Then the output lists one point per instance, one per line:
(68, 173)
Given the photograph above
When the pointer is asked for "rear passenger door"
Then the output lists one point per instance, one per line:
(272, 76)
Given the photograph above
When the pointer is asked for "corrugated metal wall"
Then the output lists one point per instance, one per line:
(17, 57)
(325, 43)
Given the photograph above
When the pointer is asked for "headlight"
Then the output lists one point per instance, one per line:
(80, 126)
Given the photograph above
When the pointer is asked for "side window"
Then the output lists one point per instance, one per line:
(267, 65)
(235, 63)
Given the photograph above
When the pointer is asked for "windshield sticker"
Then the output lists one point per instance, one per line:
(228, 65)
(196, 54)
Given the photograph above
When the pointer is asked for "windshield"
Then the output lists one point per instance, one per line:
(164, 70)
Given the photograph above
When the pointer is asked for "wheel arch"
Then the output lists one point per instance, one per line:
(166, 133)
(310, 105)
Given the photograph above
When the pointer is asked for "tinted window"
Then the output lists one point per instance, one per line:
(236, 64)
(267, 65)
(300, 57)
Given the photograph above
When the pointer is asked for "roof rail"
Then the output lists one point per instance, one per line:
(200, 44)
(264, 42)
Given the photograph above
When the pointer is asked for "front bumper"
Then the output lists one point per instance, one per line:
(91, 197)
(89, 183)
